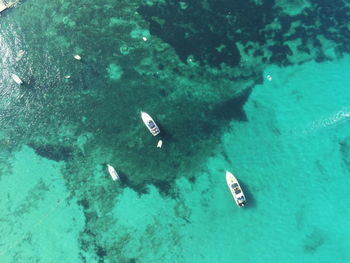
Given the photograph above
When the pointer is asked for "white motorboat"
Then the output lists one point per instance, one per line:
(235, 189)
(17, 79)
(150, 123)
(113, 172)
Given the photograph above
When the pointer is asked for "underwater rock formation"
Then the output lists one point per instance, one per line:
(53, 152)
(216, 32)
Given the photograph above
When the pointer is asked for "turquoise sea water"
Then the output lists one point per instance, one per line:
(265, 96)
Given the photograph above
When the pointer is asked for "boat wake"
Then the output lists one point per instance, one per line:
(331, 121)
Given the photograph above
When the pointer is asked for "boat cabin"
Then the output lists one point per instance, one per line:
(236, 188)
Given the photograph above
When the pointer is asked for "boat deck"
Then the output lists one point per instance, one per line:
(3, 6)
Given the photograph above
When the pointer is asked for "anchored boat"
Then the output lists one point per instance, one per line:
(150, 123)
(17, 79)
(235, 189)
(113, 172)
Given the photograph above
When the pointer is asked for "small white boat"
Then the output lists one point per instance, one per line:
(17, 79)
(235, 189)
(159, 144)
(113, 172)
(77, 57)
(150, 124)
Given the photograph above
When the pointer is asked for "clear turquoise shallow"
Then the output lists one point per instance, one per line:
(291, 156)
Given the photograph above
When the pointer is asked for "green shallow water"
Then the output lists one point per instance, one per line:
(227, 96)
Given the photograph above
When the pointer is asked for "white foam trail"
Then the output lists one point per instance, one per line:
(331, 121)
(334, 119)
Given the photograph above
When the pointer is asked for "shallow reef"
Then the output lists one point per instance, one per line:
(190, 64)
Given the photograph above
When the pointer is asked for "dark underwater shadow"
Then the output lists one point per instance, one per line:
(124, 181)
(251, 202)
(203, 39)
(164, 134)
(163, 187)
(233, 108)
(53, 152)
(30, 83)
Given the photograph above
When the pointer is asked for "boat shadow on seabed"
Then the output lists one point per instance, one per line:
(251, 203)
